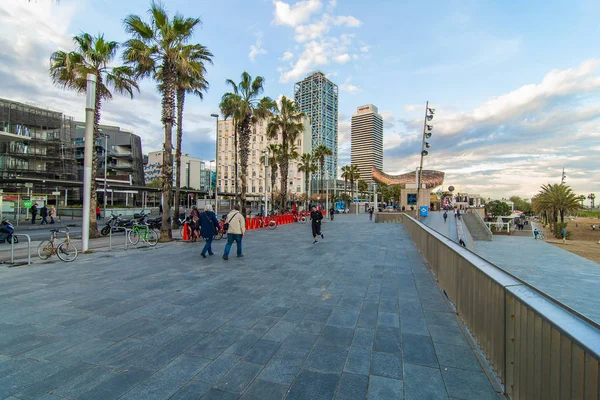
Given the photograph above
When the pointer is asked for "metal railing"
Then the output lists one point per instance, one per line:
(538, 347)
(12, 248)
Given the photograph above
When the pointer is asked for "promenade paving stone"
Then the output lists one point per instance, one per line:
(343, 319)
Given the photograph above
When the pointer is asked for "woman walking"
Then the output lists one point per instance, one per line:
(316, 217)
(209, 225)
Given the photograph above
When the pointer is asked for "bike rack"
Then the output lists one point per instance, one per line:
(12, 248)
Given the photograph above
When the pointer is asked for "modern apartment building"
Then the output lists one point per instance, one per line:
(123, 153)
(195, 173)
(256, 169)
(317, 96)
(36, 147)
(367, 141)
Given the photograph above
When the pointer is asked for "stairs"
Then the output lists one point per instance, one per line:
(476, 227)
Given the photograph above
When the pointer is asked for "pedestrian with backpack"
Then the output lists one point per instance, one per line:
(235, 225)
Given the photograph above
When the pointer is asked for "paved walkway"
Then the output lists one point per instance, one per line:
(435, 221)
(569, 278)
(355, 316)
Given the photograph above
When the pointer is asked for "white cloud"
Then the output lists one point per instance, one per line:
(287, 56)
(255, 50)
(332, 4)
(342, 58)
(364, 49)
(296, 14)
(313, 31)
(412, 107)
(348, 87)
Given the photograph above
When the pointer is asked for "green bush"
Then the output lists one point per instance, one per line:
(588, 213)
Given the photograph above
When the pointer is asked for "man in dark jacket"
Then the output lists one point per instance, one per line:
(44, 215)
(209, 225)
(331, 213)
(34, 211)
(316, 217)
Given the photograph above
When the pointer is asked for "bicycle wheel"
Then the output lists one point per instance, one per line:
(13, 239)
(302, 219)
(45, 249)
(151, 237)
(133, 236)
(272, 224)
(66, 251)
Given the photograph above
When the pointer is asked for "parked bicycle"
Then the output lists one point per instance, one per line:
(268, 222)
(142, 231)
(65, 250)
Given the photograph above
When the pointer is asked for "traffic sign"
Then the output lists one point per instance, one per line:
(27, 203)
(424, 211)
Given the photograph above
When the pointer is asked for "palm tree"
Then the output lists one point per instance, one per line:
(353, 175)
(592, 197)
(190, 79)
(69, 70)
(230, 108)
(319, 154)
(273, 162)
(156, 50)
(555, 200)
(289, 154)
(249, 110)
(307, 165)
(287, 121)
(363, 187)
(582, 199)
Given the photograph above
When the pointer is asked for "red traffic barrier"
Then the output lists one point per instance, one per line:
(186, 236)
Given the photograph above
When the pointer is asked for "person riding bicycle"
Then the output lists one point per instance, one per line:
(445, 215)
(6, 230)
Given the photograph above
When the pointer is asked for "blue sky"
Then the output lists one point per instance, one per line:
(515, 84)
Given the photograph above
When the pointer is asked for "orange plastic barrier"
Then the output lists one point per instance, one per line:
(186, 236)
(247, 224)
(254, 223)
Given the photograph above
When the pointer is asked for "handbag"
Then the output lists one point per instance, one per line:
(226, 224)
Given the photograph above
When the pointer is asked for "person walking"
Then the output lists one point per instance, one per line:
(316, 216)
(44, 215)
(97, 212)
(331, 213)
(195, 223)
(209, 225)
(52, 214)
(236, 229)
(564, 234)
(371, 213)
(34, 211)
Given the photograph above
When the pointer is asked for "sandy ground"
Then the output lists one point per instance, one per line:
(584, 240)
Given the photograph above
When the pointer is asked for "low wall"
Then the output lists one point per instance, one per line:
(392, 217)
(539, 348)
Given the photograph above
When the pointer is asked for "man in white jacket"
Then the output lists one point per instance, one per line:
(237, 229)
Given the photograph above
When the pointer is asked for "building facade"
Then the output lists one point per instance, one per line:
(317, 97)
(195, 173)
(36, 145)
(367, 141)
(121, 149)
(256, 169)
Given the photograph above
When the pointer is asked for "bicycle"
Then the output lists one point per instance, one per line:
(268, 222)
(139, 231)
(541, 235)
(300, 217)
(66, 250)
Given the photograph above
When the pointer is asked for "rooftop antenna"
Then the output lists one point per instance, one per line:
(562, 181)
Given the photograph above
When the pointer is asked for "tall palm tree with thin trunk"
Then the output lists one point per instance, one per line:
(308, 166)
(190, 79)
(250, 110)
(320, 153)
(230, 108)
(592, 198)
(287, 121)
(353, 175)
(69, 70)
(273, 162)
(155, 50)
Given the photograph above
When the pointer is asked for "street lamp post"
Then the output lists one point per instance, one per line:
(210, 176)
(216, 163)
(90, 107)
(429, 112)
(266, 179)
(106, 136)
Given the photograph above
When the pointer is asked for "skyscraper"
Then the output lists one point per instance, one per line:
(317, 97)
(367, 141)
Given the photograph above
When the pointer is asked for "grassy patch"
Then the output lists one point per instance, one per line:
(588, 213)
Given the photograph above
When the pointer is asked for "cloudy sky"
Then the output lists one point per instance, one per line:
(516, 85)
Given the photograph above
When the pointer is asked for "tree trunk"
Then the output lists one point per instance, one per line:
(180, 102)
(306, 183)
(352, 189)
(273, 180)
(235, 143)
(93, 231)
(168, 108)
(244, 139)
(284, 176)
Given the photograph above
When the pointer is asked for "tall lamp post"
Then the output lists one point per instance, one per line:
(90, 107)
(429, 112)
(210, 177)
(216, 163)
(266, 178)
(106, 136)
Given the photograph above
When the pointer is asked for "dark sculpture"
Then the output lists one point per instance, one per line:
(430, 178)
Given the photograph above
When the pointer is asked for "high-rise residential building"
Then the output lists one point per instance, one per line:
(194, 174)
(367, 141)
(256, 169)
(317, 96)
